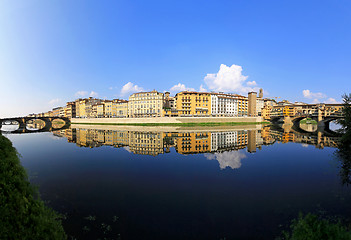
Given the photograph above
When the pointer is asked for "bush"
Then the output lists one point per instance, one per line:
(22, 214)
(311, 227)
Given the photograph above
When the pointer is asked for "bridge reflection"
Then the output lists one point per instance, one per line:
(220, 145)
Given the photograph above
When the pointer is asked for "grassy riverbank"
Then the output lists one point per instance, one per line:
(180, 124)
(23, 215)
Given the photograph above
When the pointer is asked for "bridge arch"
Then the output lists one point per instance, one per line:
(47, 120)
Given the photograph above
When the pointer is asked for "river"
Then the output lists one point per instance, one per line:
(240, 182)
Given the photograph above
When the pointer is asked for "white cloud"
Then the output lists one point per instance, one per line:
(229, 79)
(130, 88)
(332, 100)
(111, 88)
(308, 94)
(81, 94)
(317, 97)
(55, 101)
(93, 94)
(127, 149)
(180, 87)
(202, 89)
(227, 159)
(252, 83)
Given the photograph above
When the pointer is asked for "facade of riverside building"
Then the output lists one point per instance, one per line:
(224, 105)
(146, 104)
(157, 104)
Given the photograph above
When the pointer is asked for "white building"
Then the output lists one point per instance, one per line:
(223, 140)
(259, 106)
(224, 105)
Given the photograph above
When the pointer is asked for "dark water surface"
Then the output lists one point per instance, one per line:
(117, 183)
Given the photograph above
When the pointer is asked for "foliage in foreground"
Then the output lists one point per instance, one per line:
(22, 214)
(311, 227)
(345, 122)
(344, 149)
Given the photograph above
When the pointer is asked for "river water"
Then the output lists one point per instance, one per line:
(119, 182)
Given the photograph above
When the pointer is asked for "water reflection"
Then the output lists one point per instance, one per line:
(172, 182)
(216, 144)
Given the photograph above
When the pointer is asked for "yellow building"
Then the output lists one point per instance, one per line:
(242, 105)
(56, 112)
(242, 139)
(193, 103)
(108, 108)
(98, 110)
(70, 110)
(80, 107)
(266, 111)
(120, 108)
(189, 143)
(146, 143)
(146, 104)
(84, 107)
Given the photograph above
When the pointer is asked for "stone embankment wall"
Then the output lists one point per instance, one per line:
(197, 129)
(166, 120)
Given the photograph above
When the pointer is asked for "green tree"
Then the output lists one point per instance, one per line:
(345, 122)
(311, 227)
(22, 214)
(344, 148)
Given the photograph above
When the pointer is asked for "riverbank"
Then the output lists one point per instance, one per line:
(178, 124)
(168, 128)
(23, 214)
(171, 121)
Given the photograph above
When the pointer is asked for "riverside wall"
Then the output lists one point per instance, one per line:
(220, 128)
(166, 120)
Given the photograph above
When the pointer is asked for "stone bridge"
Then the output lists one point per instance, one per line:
(291, 115)
(23, 121)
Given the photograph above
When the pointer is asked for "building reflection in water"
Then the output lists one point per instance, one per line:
(222, 146)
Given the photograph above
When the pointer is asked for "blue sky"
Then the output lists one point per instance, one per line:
(55, 51)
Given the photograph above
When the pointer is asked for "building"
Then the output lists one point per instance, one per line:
(266, 112)
(259, 106)
(146, 143)
(169, 106)
(224, 105)
(252, 104)
(108, 108)
(269, 102)
(193, 142)
(70, 110)
(62, 112)
(98, 110)
(55, 112)
(242, 105)
(84, 107)
(146, 104)
(255, 104)
(193, 104)
(222, 141)
(120, 108)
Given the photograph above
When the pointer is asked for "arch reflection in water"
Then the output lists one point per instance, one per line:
(35, 124)
(215, 144)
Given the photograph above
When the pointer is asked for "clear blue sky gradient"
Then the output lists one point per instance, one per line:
(53, 49)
